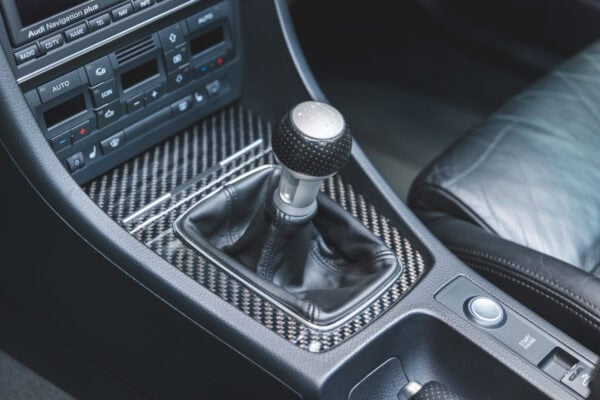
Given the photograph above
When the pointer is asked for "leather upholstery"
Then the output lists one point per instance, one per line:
(519, 197)
(322, 267)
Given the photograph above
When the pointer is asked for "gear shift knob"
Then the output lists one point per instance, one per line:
(312, 144)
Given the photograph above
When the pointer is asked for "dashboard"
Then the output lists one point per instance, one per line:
(98, 108)
(124, 116)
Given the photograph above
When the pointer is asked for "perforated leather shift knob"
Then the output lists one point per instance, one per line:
(313, 140)
(312, 143)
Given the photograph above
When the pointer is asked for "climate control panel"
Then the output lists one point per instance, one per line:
(111, 108)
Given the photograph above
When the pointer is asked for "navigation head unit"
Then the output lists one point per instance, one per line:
(28, 20)
(103, 96)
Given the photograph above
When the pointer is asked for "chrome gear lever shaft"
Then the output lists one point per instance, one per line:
(312, 143)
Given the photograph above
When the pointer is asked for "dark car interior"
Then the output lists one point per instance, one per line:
(300, 199)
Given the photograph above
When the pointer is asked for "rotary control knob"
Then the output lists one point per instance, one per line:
(312, 143)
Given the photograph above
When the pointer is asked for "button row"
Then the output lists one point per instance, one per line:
(44, 46)
(71, 136)
(77, 160)
(116, 141)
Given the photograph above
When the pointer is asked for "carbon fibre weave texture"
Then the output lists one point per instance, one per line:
(151, 175)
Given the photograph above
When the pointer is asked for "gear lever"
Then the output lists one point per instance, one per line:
(312, 144)
(323, 265)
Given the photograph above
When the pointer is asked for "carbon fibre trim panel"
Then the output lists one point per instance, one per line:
(195, 156)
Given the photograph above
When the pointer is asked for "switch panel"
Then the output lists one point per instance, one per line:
(524, 338)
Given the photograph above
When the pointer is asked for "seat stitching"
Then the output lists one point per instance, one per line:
(546, 295)
(551, 282)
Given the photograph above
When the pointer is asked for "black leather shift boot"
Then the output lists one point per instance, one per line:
(323, 268)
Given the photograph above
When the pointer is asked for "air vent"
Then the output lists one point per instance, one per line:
(136, 49)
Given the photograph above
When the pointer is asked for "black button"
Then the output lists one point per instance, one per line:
(105, 93)
(51, 43)
(76, 162)
(81, 131)
(60, 86)
(122, 12)
(99, 71)
(61, 141)
(177, 58)
(135, 103)
(154, 94)
(200, 97)
(171, 37)
(76, 33)
(141, 4)
(108, 114)
(27, 54)
(100, 22)
(204, 18)
(113, 143)
(92, 153)
(182, 106)
(213, 88)
(179, 78)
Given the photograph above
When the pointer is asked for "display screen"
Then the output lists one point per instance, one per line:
(139, 74)
(32, 11)
(207, 40)
(64, 111)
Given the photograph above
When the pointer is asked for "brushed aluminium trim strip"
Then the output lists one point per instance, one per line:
(170, 230)
(203, 189)
(222, 164)
(240, 153)
(103, 42)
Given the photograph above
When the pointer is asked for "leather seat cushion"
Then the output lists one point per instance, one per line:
(531, 172)
(518, 198)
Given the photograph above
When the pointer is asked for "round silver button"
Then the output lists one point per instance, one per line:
(485, 311)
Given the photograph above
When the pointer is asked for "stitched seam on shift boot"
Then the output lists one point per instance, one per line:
(327, 264)
(377, 256)
(549, 297)
(229, 196)
(311, 311)
(277, 233)
(555, 284)
(382, 255)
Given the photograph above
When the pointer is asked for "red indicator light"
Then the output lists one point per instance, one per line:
(82, 131)
(220, 60)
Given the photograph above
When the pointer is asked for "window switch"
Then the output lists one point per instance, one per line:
(578, 378)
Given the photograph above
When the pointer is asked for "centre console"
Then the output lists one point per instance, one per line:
(104, 82)
(151, 128)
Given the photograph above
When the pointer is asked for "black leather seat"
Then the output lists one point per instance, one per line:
(518, 199)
